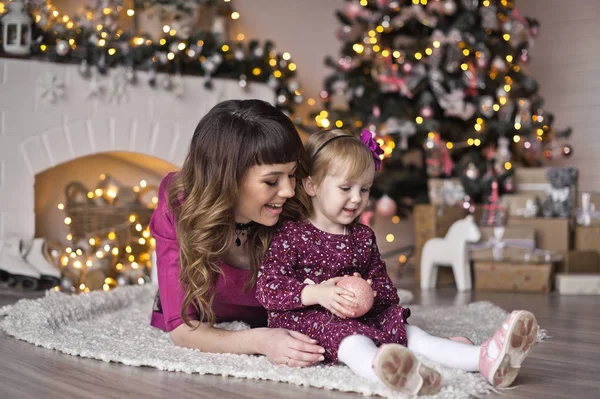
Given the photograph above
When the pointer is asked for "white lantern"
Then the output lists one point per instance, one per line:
(16, 30)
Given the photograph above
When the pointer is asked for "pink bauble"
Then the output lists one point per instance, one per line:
(385, 207)
(363, 293)
(426, 112)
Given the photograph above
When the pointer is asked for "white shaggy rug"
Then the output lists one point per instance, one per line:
(114, 326)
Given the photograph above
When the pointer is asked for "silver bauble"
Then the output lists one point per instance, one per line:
(449, 7)
(122, 280)
(62, 48)
(66, 284)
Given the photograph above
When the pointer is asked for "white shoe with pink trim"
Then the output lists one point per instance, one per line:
(513, 341)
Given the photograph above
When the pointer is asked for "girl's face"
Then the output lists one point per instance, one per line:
(337, 201)
(263, 191)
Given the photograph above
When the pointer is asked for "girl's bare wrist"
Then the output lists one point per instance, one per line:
(307, 295)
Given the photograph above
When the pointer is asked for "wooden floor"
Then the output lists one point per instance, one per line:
(564, 366)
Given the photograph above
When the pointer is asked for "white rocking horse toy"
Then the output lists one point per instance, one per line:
(451, 250)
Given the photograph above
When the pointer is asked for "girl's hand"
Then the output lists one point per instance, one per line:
(336, 299)
(290, 348)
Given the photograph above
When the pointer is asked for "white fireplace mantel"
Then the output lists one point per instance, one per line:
(36, 134)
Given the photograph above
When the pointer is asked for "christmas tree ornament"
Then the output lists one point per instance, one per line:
(391, 81)
(523, 116)
(259, 52)
(62, 48)
(437, 157)
(454, 104)
(499, 64)
(472, 172)
(482, 56)
(66, 284)
(489, 17)
(239, 54)
(16, 29)
(363, 293)
(486, 106)
(345, 63)
(416, 12)
(449, 7)
(502, 155)
(401, 127)
(122, 280)
(385, 206)
(426, 112)
(353, 10)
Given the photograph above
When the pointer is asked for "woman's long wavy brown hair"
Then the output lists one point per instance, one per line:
(230, 138)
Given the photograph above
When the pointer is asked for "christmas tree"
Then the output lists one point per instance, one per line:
(444, 85)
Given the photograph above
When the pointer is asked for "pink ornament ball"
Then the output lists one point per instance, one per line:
(385, 207)
(363, 293)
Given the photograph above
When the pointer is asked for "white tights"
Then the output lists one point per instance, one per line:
(358, 352)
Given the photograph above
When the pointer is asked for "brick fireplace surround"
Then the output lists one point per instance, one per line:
(36, 135)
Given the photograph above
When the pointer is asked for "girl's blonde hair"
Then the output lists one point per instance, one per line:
(348, 157)
(233, 136)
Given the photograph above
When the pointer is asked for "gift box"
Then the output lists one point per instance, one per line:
(513, 276)
(581, 261)
(445, 191)
(525, 205)
(504, 243)
(578, 284)
(430, 223)
(587, 237)
(532, 182)
(553, 234)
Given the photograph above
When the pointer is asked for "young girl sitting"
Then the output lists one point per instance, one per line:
(298, 277)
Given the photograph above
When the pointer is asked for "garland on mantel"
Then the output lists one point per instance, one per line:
(105, 36)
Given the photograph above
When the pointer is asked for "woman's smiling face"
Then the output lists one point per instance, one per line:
(263, 191)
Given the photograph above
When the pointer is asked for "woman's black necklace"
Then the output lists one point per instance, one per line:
(241, 229)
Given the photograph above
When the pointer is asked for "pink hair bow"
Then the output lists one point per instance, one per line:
(367, 138)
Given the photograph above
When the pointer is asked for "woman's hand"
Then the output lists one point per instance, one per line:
(290, 348)
(337, 300)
